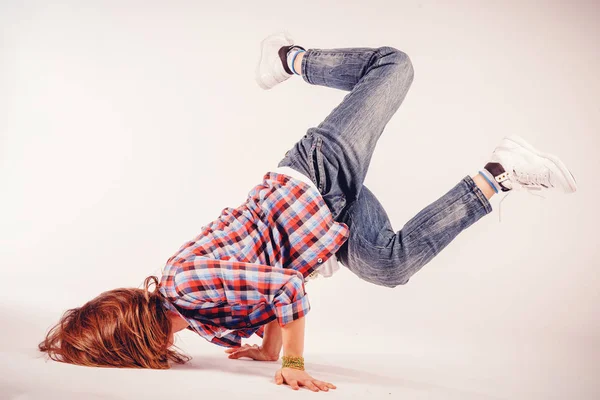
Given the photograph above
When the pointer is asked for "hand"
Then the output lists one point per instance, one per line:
(254, 352)
(295, 377)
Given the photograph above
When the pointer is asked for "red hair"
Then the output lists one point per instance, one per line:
(123, 328)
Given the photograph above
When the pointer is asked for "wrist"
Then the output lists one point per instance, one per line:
(271, 354)
(295, 362)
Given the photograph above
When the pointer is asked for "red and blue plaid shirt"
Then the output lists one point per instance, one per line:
(248, 266)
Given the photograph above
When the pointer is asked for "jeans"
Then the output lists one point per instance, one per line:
(336, 154)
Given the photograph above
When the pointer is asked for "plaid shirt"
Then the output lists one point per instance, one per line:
(248, 267)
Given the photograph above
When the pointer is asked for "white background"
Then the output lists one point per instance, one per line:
(126, 126)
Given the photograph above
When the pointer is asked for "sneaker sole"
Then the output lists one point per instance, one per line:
(568, 175)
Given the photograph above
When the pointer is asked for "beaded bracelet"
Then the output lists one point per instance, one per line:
(293, 362)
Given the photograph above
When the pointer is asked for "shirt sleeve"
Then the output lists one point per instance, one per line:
(241, 283)
(260, 332)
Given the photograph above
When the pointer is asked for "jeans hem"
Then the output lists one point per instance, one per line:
(307, 54)
(475, 189)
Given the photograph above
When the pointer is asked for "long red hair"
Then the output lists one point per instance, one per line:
(123, 328)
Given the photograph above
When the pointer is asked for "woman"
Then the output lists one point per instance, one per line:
(245, 273)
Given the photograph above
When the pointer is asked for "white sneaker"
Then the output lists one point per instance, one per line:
(270, 70)
(516, 164)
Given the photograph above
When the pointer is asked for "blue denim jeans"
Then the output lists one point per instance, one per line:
(336, 154)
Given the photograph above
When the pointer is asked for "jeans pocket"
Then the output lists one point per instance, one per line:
(336, 204)
(317, 170)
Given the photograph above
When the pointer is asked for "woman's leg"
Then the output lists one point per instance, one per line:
(378, 254)
(336, 154)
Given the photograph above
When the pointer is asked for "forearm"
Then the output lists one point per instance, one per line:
(293, 337)
(272, 338)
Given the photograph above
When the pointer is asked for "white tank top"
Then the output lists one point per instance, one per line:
(330, 266)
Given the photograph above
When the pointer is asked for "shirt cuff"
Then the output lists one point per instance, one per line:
(287, 313)
(260, 332)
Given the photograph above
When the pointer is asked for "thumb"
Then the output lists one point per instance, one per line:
(232, 349)
(278, 377)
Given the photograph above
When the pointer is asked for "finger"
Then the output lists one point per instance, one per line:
(232, 349)
(331, 385)
(249, 352)
(278, 377)
(238, 354)
(321, 385)
(294, 384)
(310, 384)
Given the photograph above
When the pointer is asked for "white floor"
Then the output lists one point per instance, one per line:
(414, 368)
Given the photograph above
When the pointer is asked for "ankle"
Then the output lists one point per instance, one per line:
(298, 63)
(291, 58)
(482, 183)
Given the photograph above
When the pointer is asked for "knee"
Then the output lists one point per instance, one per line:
(404, 67)
(397, 273)
(388, 283)
(387, 276)
(395, 281)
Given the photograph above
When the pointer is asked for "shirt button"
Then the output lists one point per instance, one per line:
(320, 260)
(248, 324)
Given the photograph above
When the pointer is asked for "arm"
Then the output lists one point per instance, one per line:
(241, 283)
(268, 351)
(293, 346)
(293, 338)
(205, 280)
(291, 334)
(272, 339)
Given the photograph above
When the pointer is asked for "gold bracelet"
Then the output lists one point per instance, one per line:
(292, 362)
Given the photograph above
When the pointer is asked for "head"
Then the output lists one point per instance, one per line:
(123, 328)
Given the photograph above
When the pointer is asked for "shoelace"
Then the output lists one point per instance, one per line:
(536, 180)
(500, 203)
